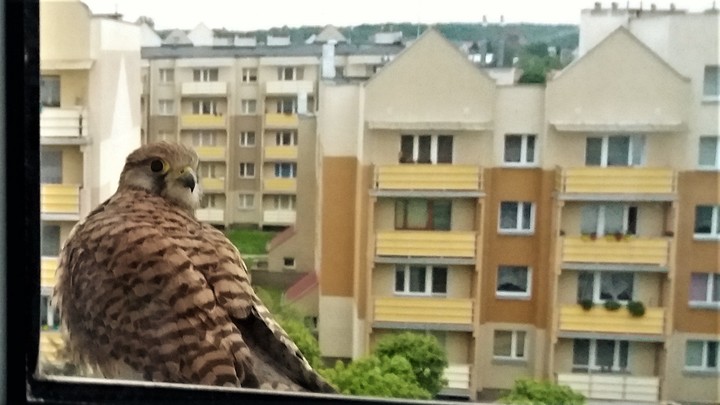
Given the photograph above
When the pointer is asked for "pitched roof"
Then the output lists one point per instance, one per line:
(301, 287)
(328, 33)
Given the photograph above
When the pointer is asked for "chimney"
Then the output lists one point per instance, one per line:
(598, 6)
(328, 60)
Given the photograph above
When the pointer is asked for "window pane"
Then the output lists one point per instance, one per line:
(586, 281)
(624, 350)
(614, 218)
(530, 155)
(638, 146)
(502, 344)
(406, 149)
(50, 240)
(512, 279)
(703, 219)
(698, 286)
(445, 149)
(50, 166)
(527, 215)
(441, 215)
(439, 280)
(712, 354)
(618, 150)
(616, 286)
(715, 288)
(50, 91)
(711, 82)
(593, 152)
(424, 142)
(400, 209)
(520, 344)
(513, 145)
(693, 353)
(399, 279)
(632, 220)
(708, 151)
(581, 352)
(44, 309)
(589, 219)
(508, 215)
(605, 353)
(417, 279)
(417, 213)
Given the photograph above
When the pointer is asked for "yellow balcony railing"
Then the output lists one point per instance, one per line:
(281, 120)
(210, 152)
(48, 265)
(50, 343)
(428, 177)
(288, 185)
(573, 318)
(212, 184)
(281, 152)
(630, 250)
(60, 198)
(616, 180)
(202, 121)
(603, 386)
(212, 215)
(424, 310)
(425, 243)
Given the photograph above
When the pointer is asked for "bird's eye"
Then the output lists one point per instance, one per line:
(158, 166)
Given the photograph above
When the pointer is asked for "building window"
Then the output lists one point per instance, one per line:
(49, 315)
(286, 106)
(205, 107)
(290, 73)
(519, 150)
(711, 83)
(702, 355)
(509, 345)
(516, 217)
(707, 222)
(247, 170)
(246, 201)
(420, 280)
(248, 106)
(705, 289)
(249, 75)
(50, 91)
(513, 282)
(205, 75)
(600, 355)
(165, 136)
(51, 166)
(420, 213)
(166, 107)
(167, 75)
(709, 153)
(286, 170)
(284, 202)
(211, 170)
(209, 201)
(286, 138)
(615, 150)
(605, 286)
(50, 240)
(247, 138)
(289, 262)
(608, 219)
(203, 139)
(426, 149)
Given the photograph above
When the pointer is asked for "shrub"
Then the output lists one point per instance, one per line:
(586, 304)
(531, 392)
(612, 305)
(636, 308)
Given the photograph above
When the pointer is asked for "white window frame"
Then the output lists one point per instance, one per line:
(428, 281)
(710, 97)
(167, 75)
(166, 106)
(280, 165)
(518, 230)
(284, 202)
(243, 199)
(597, 286)
(285, 262)
(592, 357)
(211, 201)
(433, 146)
(246, 167)
(708, 302)
(164, 135)
(205, 75)
(704, 359)
(294, 73)
(716, 165)
(523, 151)
(280, 138)
(245, 106)
(601, 230)
(519, 295)
(714, 228)
(280, 106)
(245, 139)
(52, 323)
(199, 105)
(249, 75)
(513, 345)
(635, 141)
(204, 138)
(211, 170)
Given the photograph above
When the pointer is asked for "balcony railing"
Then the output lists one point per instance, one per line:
(282, 217)
(60, 199)
(616, 180)
(212, 215)
(63, 122)
(613, 387)
(50, 343)
(628, 250)
(281, 120)
(48, 265)
(210, 152)
(458, 378)
(279, 87)
(202, 121)
(285, 185)
(212, 184)
(424, 310)
(426, 243)
(574, 318)
(281, 152)
(204, 88)
(428, 177)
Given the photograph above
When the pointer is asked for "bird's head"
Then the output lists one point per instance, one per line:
(165, 169)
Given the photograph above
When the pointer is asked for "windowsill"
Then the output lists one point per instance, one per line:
(713, 306)
(701, 372)
(502, 296)
(419, 295)
(509, 361)
(710, 99)
(515, 232)
(706, 238)
(708, 168)
(509, 165)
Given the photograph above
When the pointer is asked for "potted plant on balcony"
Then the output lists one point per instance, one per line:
(612, 305)
(636, 308)
(619, 236)
(586, 304)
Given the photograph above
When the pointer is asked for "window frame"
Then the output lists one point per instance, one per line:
(55, 98)
(248, 76)
(524, 139)
(430, 219)
(166, 106)
(429, 277)
(710, 281)
(243, 170)
(518, 229)
(434, 154)
(514, 295)
(716, 165)
(199, 106)
(206, 75)
(242, 201)
(597, 286)
(592, 357)
(278, 169)
(514, 333)
(714, 233)
(703, 367)
(245, 106)
(166, 75)
(634, 141)
(602, 216)
(284, 202)
(709, 96)
(244, 138)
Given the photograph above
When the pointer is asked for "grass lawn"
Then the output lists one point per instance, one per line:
(250, 241)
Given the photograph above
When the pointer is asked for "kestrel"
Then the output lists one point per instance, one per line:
(146, 291)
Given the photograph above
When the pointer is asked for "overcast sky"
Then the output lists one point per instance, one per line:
(245, 15)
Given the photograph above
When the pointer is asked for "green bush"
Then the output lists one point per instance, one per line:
(636, 308)
(531, 392)
(612, 305)
(586, 304)
(426, 356)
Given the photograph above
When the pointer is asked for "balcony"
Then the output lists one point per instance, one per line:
(190, 89)
(613, 387)
(574, 318)
(626, 251)
(280, 185)
(210, 153)
(202, 121)
(50, 343)
(657, 184)
(63, 125)
(453, 244)
(456, 314)
(210, 184)
(48, 265)
(440, 177)
(279, 217)
(211, 215)
(60, 201)
(281, 120)
(281, 153)
(284, 87)
(458, 378)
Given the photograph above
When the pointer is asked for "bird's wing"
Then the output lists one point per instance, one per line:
(269, 343)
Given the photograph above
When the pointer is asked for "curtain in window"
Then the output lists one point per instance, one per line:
(614, 218)
(693, 353)
(585, 286)
(508, 215)
(513, 146)
(698, 286)
(616, 286)
(502, 343)
(708, 150)
(589, 219)
(51, 166)
(417, 214)
(50, 91)
(703, 219)
(512, 279)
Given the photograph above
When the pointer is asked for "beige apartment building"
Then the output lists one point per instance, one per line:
(485, 213)
(89, 122)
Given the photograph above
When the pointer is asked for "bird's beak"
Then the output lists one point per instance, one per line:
(187, 178)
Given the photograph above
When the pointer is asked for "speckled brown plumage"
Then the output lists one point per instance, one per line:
(146, 291)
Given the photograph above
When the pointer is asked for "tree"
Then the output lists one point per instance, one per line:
(423, 352)
(531, 392)
(536, 62)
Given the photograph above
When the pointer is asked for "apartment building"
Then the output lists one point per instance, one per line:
(485, 213)
(89, 122)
